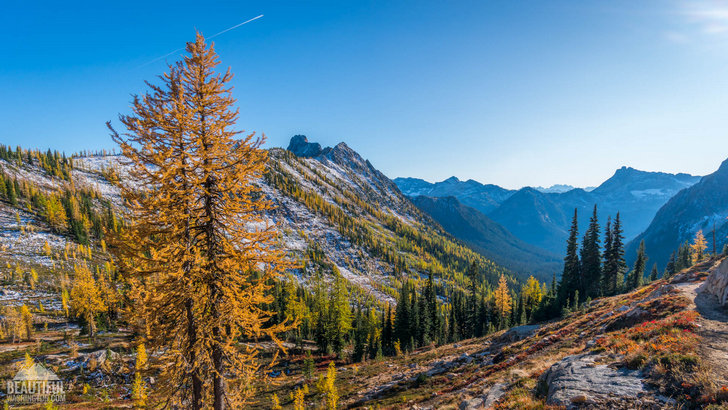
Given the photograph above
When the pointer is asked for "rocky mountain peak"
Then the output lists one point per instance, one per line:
(300, 146)
(723, 169)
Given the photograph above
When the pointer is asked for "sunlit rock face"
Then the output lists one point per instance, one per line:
(717, 283)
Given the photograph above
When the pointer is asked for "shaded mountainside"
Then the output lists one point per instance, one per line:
(489, 238)
(693, 209)
(542, 218)
(535, 218)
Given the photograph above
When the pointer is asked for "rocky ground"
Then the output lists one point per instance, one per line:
(661, 346)
(713, 319)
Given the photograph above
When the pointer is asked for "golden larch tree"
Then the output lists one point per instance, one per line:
(197, 250)
(532, 295)
(698, 247)
(86, 300)
(503, 298)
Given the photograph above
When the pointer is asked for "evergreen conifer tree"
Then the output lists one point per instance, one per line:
(636, 276)
(606, 255)
(360, 336)
(402, 318)
(452, 327)
(388, 333)
(671, 264)
(10, 194)
(433, 321)
(591, 259)
(571, 274)
(614, 265)
(654, 273)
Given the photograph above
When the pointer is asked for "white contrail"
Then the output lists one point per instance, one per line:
(208, 38)
(234, 27)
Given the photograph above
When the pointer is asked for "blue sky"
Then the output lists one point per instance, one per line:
(505, 92)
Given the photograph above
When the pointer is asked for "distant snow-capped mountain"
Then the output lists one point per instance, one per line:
(484, 198)
(560, 188)
(542, 218)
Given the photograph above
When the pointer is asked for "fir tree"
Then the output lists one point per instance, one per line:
(606, 254)
(360, 336)
(591, 259)
(434, 323)
(452, 327)
(671, 264)
(471, 315)
(10, 194)
(483, 319)
(338, 322)
(684, 257)
(614, 264)
(654, 273)
(636, 276)
(521, 310)
(388, 333)
(571, 274)
(402, 318)
(414, 323)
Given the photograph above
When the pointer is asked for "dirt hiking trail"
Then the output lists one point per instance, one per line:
(713, 329)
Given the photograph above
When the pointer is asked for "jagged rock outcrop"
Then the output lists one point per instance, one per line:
(717, 283)
(579, 380)
(300, 146)
(490, 396)
(517, 333)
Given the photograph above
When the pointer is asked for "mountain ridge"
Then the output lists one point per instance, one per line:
(490, 238)
(543, 218)
(692, 209)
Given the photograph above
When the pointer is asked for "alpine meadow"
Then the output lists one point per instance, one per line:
(155, 253)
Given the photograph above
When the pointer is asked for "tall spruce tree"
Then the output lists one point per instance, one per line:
(570, 278)
(614, 264)
(605, 255)
(360, 338)
(452, 326)
(424, 320)
(388, 333)
(434, 323)
(415, 321)
(654, 273)
(684, 258)
(636, 276)
(199, 276)
(591, 260)
(671, 264)
(402, 317)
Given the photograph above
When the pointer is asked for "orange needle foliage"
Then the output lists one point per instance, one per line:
(199, 254)
(503, 298)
